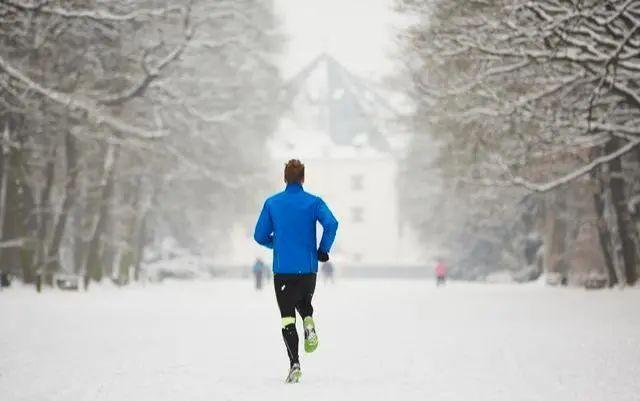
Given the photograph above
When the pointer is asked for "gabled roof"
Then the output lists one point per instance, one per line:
(351, 108)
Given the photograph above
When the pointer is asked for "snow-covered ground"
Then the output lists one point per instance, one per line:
(379, 340)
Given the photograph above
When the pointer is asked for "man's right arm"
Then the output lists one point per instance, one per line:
(263, 233)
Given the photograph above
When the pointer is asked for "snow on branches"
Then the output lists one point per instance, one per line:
(547, 69)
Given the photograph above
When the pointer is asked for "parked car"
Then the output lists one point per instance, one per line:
(67, 281)
(184, 267)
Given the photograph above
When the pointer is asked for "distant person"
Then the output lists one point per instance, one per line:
(287, 224)
(86, 280)
(258, 271)
(5, 280)
(441, 273)
(327, 272)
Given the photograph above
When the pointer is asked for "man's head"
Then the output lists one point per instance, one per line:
(294, 172)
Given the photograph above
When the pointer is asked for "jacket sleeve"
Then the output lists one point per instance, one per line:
(263, 233)
(329, 226)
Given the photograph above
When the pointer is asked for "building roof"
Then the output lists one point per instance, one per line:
(337, 109)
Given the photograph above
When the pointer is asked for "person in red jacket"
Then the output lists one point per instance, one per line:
(441, 273)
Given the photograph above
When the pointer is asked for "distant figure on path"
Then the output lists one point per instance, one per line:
(441, 273)
(287, 224)
(5, 280)
(327, 271)
(258, 271)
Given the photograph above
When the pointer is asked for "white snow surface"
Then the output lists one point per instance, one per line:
(379, 340)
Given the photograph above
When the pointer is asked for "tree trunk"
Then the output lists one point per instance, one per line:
(555, 238)
(610, 224)
(140, 240)
(611, 232)
(603, 232)
(45, 217)
(20, 221)
(625, 224)
(4, 177)
(633, 203)
(69, 198)
(78, 232)
(144, 200)
(94, 260)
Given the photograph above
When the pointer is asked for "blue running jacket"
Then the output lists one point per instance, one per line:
(287, 224)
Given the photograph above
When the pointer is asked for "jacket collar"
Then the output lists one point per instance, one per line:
(293, 188)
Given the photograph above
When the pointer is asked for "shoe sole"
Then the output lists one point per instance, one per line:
(310, 346)
(295, 377)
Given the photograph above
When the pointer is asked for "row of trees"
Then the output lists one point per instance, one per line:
(535, 106)
(123, 121)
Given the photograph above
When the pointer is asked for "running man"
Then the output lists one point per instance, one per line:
(287, 224)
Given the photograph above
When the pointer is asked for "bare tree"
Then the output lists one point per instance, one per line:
(545, 94)
(121, 117)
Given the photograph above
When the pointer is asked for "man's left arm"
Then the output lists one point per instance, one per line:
(329, 227)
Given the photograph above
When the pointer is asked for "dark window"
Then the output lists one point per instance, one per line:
(357, 214)
(357, 182)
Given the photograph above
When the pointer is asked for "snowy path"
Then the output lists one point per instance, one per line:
(379, 340)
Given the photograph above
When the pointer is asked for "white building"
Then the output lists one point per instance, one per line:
(349, 163)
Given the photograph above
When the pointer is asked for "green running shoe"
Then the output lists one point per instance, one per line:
(310, 336)
(294, 374)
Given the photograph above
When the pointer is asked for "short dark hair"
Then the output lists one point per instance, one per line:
(294, 172)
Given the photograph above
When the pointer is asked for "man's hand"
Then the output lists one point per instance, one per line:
(323, 256)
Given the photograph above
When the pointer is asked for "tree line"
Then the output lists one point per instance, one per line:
(535, 106)
(121, 122)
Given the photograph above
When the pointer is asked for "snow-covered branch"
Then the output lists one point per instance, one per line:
(567, 178)
(98, 15)
(152, 72)
(14, 243)
(94, 112)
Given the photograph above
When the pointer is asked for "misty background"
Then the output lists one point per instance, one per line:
(499, 136)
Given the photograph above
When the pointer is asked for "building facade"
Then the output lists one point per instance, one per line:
(330, 125)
